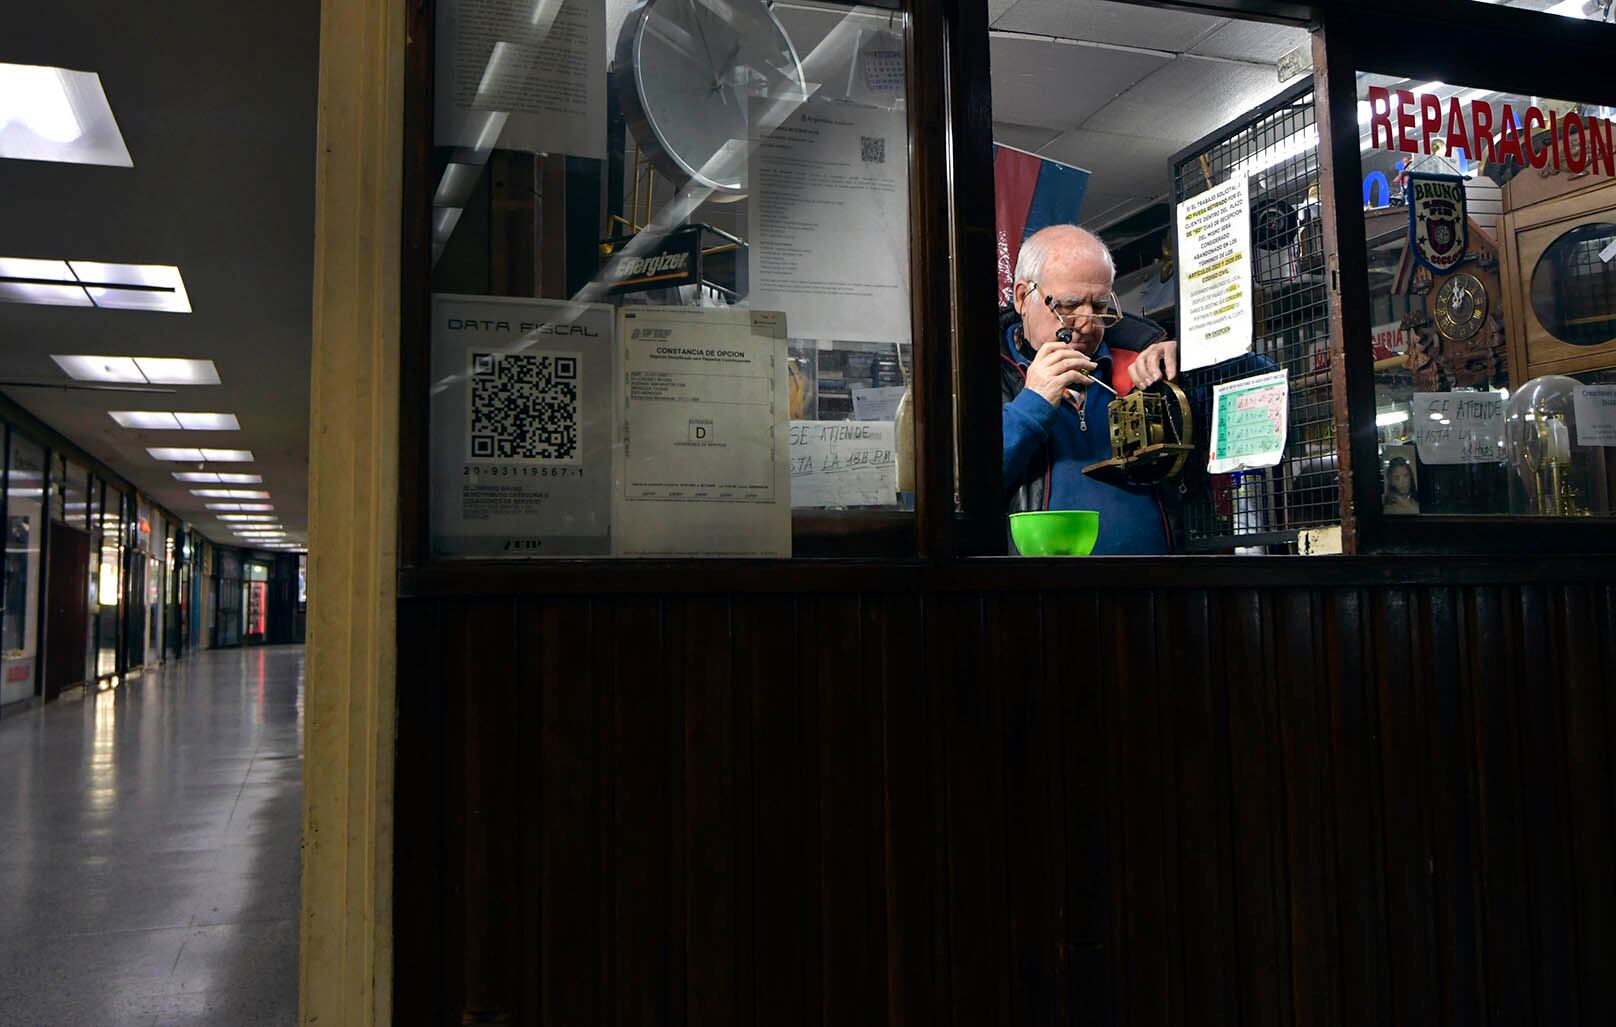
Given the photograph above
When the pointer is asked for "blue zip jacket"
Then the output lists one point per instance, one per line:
(1131, 518)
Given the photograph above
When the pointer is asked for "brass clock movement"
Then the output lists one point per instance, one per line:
(1461, 307)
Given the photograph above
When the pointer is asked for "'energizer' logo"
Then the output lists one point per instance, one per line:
(658, 264)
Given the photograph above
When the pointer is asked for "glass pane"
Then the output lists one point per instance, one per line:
(109, 590)
(1587, 10)
(25, 512)
(75, 497)
(670, 258)
(1491, 220)
(1126, 137)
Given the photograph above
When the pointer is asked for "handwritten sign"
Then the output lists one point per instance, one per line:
(876, 403)
(1250, 418)
(1595, 407)
(843, 463)
(1214, 274)
(1458, 427)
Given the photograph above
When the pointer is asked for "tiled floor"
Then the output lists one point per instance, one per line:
(149, 848)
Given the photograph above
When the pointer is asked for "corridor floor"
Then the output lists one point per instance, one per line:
(149, 848)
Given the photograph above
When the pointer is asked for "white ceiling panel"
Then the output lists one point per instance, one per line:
(1252, 41)
(1187, 99)
(997, 8)
(1060, 84)
(1103, 208)
(1023, 137)
(1104, 21)
(1133, 165)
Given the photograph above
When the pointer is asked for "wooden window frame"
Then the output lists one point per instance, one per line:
(950, 136)
(1420, 41)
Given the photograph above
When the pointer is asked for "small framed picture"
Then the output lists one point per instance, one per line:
(1400, 491)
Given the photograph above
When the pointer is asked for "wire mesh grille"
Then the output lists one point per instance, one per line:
(1278, 148)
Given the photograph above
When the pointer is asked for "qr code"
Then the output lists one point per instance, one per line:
(873, 150)
(524, 406)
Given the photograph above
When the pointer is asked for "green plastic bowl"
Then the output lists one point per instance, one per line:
(1055, 532)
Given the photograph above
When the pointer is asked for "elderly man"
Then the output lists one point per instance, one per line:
(1055, 394)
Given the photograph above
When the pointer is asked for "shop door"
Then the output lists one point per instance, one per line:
(67, 608)
(135, 605)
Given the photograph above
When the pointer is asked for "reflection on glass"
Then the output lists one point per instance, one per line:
(19, 623)
(1574, 286)
(1477, 395)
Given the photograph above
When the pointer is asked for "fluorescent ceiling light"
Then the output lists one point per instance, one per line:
(197, 476)
(174, 453)
(89, 283)
(1390, 418)
(1289, 148)
(256, 506)
(54, 114)
(157, 419)
(133, 286)
(245, 516)
(99, 369)
(230, 493)
(224, 506)
(228, 456)
(208, 422)
(137, 370)
(25, 280)
(241, 479)
(44, 295)
(178, 371)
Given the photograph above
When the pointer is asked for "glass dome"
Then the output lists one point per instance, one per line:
(1550, 474)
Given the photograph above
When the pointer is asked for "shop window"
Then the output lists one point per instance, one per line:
(670, 279)
(75, 496)
(1491, 221)
(109, 589)
(25, 506)
(1164, 370)
(1586, 10)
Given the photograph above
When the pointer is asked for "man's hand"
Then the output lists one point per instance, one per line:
(1057, 367)
(1156, 362)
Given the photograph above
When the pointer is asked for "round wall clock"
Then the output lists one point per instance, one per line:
(1460, 307)
(692, 75)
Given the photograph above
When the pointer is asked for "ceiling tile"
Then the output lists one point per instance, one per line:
(1023, 137)
(997, 9)
(1252, 41)
(1104, 21)
(1028, 76)
(1119, 165)
(1187, 99)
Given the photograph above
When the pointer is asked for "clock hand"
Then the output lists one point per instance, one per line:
(702, 32)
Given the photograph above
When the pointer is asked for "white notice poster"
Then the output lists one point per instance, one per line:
(1214, 275)
(843, 463)
(702, 468)
(1595, 409)
(829, 223)
(876, 402)
(1458, 427)
(522, 75)
(521, 427)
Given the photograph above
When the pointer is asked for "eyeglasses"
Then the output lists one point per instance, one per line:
(1070, 312)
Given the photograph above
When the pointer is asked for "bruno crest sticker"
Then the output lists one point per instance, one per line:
(1438, 229)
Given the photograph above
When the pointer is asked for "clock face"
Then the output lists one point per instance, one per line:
(1460, 307)
(702, 74)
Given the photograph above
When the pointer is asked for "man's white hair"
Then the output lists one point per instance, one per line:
(1036, 249)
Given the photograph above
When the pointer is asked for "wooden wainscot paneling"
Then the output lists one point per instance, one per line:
(1217, 805)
